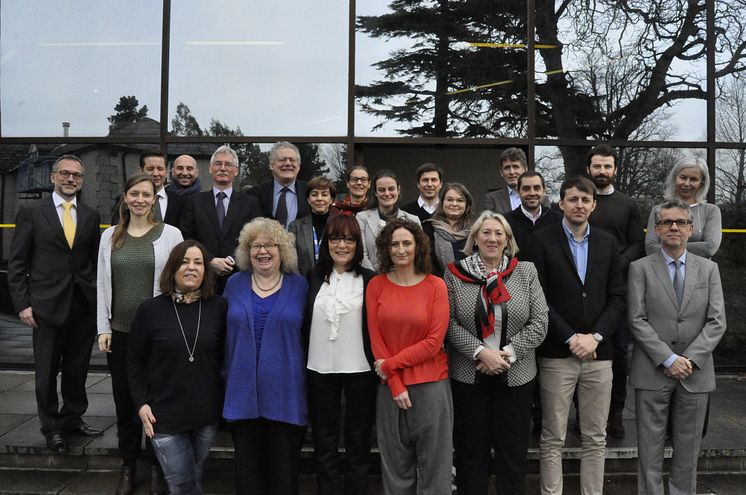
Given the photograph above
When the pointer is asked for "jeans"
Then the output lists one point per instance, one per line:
(182, 456)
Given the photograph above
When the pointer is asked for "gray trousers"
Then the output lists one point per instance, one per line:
(416, 444)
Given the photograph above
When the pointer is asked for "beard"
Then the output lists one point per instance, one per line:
(602, 181)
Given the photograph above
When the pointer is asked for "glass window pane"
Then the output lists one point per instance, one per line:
(444, 69)
(65, 61)
(259, 68)
(603, 70)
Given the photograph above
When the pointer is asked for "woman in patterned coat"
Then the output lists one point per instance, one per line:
(498, 318)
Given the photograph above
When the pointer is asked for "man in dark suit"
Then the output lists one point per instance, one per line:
(581, 276)
(677, 318)
(52, 281)
(505, 199)
(619, 215)
(284, 197)
(531, 215)
(429, 182)
(169, 204)
(216, 217)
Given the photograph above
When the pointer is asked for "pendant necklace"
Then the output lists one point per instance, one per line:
(256, 282)
(181, 327)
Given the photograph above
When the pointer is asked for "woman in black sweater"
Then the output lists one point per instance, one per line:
(174, 360)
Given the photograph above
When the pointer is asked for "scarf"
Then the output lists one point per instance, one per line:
(347, 207)
(493, 291)
(177, 188)
(186, 297)
(444, 241)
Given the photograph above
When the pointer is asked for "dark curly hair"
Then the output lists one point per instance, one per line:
(421, 246)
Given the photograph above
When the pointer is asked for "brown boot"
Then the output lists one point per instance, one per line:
(157, 483)
(615, 425)
(127, 476)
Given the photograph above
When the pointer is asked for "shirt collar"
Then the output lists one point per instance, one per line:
(278, 187)
(528, 213)
(607, 193)
(669, 259)
(423, 204)
(570, 235)
(58, 200)
(227, 192)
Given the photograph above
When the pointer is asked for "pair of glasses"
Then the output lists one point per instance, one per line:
(266, 246)
(337, 239)
(66, 174)
(668, 223)
(219, 164)
(359, 180)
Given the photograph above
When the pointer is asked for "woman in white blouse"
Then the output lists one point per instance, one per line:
(340, 360)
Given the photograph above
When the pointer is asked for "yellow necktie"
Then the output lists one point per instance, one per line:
(68, 225)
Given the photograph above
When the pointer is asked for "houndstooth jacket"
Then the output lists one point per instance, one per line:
(527, 318)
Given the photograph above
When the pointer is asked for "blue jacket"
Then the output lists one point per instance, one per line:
(275, 388)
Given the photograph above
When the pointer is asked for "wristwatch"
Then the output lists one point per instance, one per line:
(598, 337)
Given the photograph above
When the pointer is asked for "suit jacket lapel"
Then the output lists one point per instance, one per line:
(208, 204)
(664, 276)
(234, 205)
(50, 212)
(691, 274)
(565, 246)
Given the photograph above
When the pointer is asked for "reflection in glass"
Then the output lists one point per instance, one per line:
(445, 69)
(73, 61)
(621, 70)
(259, 68)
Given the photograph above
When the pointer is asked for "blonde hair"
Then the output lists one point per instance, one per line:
(272, 230)
(511, 247)
(690, 161)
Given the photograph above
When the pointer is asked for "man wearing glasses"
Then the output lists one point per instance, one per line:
(676, 317)
(283, 198)
(52, 281)
(215, 217)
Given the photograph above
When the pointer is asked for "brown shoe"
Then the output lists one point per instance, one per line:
(157, 482)
(615, 425)
(127, 476)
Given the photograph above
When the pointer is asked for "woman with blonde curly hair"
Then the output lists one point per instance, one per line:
(264, 369)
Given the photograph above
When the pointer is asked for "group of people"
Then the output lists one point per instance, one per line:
(444, 328)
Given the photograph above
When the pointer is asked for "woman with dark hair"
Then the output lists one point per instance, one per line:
(265, 360)
(308, 230)
(340, 361)
(689, 181)
(384, 209)
(358, 185)
(449, 226)
(407, 319)
(498, 318)
(131, 256)
(174, 358)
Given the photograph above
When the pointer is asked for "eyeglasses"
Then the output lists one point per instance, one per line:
(219, 164)
(266, 246)
(286, 159)
(66, 174)
(669, 223)
(360, 180)
(337, 239)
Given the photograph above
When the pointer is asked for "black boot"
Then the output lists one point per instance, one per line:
(127, 476)
(157, 483)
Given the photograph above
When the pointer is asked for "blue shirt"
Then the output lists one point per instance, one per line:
(579, 250)
(291, 200)
(682, 273)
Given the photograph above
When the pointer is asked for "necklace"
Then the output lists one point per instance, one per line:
(256, 282)
(181, 327)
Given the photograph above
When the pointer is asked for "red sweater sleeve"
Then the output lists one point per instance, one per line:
(377, 344)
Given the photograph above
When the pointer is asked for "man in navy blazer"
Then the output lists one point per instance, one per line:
(216, 217)
(284, 162)
(52, 281)
(581, 275)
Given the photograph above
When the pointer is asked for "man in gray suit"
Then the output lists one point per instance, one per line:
(512, 164)
(676, 317)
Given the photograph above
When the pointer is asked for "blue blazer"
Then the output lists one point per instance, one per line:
(274, 387)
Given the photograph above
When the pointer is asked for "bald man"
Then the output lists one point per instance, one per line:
(184, 176)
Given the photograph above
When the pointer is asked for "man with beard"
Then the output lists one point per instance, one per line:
(619, 215)
(184, 177)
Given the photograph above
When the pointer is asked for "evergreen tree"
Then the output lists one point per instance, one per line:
(126, 112)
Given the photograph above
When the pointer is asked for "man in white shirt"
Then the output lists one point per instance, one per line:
(429, 183)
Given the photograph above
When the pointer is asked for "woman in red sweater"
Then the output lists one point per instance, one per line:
(407, 320)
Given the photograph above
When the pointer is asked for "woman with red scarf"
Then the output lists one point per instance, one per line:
(498, 318)
(358, 183)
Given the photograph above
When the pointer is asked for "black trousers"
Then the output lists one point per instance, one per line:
(620, 365)
(496, 417)
(64, 349)
(129, 426)
(336, 475)
(267, 456)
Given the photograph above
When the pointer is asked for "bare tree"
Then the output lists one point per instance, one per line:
(731, 127)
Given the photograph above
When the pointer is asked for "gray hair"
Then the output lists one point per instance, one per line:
(674, 203)
(511, 247)
(282, 145)
(225, 150)
(690, 161)
(74, 158)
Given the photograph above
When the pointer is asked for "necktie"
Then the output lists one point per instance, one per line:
(158, 213)
(220, 206)
(68, 225)
(281, 213)
(678, 282)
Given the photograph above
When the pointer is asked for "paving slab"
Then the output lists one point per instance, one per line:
(9, 422)
(12, 380)
(31, 482)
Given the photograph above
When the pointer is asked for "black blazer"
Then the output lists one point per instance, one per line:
(523, 228)
(173, 211)
(317, 280)
(302, 228)
(43, 269)
(576, 307)
(199, 221)
(263, 192)
(415, 209)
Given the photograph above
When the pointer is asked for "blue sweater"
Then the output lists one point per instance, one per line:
(272, 386)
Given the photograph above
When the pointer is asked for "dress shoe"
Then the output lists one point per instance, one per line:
(615, 425)
(84, 430)
(127, 476)
(56, 442)
(157, 482)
